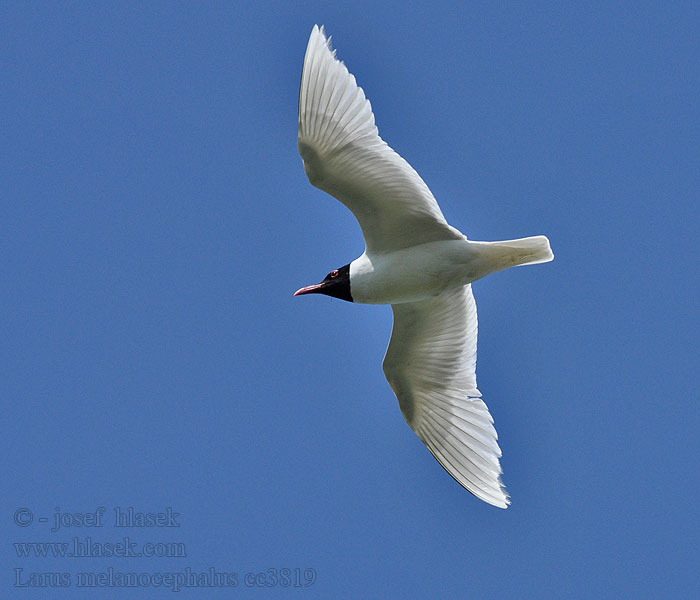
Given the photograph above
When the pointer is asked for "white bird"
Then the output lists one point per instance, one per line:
(414, 261)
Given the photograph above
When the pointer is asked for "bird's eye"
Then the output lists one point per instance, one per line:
(333, 274)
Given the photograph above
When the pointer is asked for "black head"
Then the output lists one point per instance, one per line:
(336, 284)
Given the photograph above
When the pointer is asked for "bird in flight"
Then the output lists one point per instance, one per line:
(414, 261)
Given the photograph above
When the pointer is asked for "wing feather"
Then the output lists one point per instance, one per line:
(431, 365)
(344, 156)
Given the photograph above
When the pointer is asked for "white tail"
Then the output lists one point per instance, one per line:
(529, 250)
(516, 253)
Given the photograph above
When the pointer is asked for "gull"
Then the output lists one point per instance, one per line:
(414, 261)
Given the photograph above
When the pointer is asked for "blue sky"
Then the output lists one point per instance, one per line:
(157, 219)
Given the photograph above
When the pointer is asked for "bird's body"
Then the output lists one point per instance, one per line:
(427, 270)
(414, 261)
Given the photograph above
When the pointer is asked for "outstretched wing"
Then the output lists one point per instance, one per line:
(344, 156)
(431, 365)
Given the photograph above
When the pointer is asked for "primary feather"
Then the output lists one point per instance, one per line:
(344, 156)
(431, 366)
